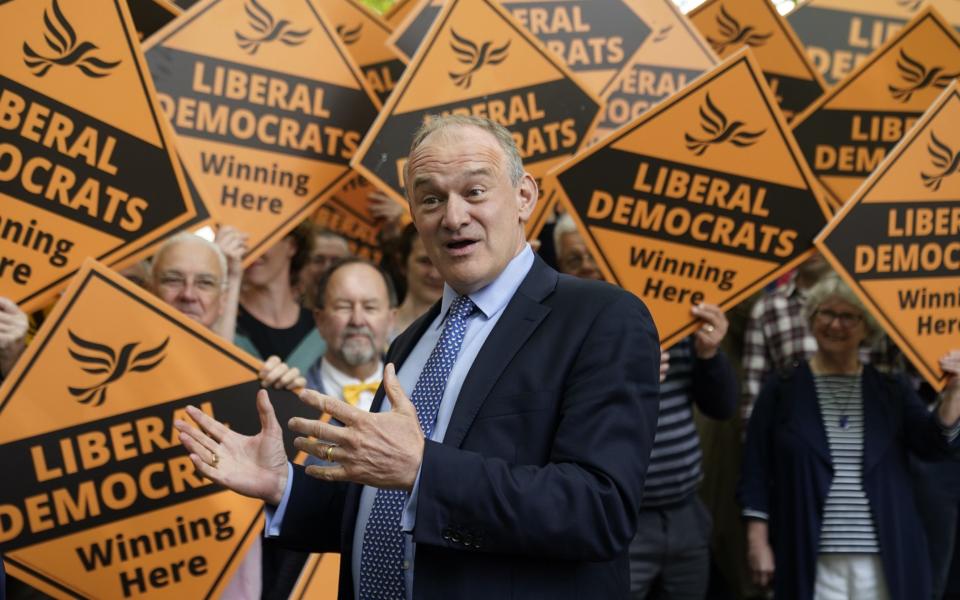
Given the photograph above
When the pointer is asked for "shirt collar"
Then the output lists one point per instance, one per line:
(340, 379)
(494, 297)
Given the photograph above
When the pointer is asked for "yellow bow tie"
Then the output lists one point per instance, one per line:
(352, 391)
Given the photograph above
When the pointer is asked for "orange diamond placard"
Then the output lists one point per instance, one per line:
(840, 34)
(592, 37)
(672, 56)
(268, 107)
(101, 500)
(705, 198)
(729, 25)
(848, 131)
(150, 15)
(79, 175)
(478, 60)
(897, 241)
(365, 35)
(347, 212)
(398, 11)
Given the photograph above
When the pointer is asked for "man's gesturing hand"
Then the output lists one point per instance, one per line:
(383, 450)
(254, 466)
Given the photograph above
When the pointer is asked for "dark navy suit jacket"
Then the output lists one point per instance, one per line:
(535, 489)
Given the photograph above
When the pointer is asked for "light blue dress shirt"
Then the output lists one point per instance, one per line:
(490, 302)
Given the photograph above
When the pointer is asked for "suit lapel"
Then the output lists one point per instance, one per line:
(520, 318)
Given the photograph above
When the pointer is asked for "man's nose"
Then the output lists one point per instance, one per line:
(456, 212)
(188, 291)
(356, 315)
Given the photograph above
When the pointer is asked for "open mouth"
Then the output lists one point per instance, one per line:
(457, 246)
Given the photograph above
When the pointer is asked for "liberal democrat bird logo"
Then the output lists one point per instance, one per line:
(734, 34)
(268, 30)
(102, 359)
(351, 35)
(943, 159)
(918, 77)
(663, 33)
(714, 123)
(62, 40)
(477, 57)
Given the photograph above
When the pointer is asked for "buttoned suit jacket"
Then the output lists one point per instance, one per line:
(535, 489)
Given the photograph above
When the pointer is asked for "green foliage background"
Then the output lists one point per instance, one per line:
(378, 5)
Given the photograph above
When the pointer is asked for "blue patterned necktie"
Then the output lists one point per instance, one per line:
(381, 557)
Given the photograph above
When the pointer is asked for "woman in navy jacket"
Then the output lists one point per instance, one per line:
(788, 467)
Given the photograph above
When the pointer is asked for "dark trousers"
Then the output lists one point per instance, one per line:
(937, 492)
(670, 556)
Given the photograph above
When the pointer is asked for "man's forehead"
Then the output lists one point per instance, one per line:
(465, 147)
(357, 279)
(190, 258)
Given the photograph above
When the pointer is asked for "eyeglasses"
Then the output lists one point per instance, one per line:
(826, 317)
(177, 281)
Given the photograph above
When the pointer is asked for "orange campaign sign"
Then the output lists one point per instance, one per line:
(100, 499)
(347, 212)
(150, 15)
(502, 73)
(897, 241)
(704, 198)
(319, 578)
(398, 11)
(365, 35)
(670, 58)
(78, 176)
(849, 130)
(545, 208)
(840, 34)
(592, 37)
(732, 24)
(268, 106)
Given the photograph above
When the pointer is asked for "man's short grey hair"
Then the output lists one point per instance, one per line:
(832, 287)
(433, 123)
(564, 225)
(322, 232)
(185, 237)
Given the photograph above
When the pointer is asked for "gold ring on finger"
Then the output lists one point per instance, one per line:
(329, 454)
(709, 328)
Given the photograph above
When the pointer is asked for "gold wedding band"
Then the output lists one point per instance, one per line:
(709, 328)
(215, 461)
(330, 452)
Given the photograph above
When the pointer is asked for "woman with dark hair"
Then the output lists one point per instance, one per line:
(270, 320)
(422, 281)
(825, 487)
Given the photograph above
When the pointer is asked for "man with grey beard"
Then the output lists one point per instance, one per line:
(355, 308)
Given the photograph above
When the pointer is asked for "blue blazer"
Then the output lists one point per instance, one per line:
(535, 489)
(787, 470)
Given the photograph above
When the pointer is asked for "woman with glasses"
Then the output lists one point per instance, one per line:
(825, 488)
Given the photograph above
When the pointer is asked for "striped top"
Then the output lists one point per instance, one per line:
(674, 470)
(848, 525)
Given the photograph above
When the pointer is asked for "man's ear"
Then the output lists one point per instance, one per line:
(527, 194)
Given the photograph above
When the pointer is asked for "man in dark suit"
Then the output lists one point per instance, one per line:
(505, 454)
